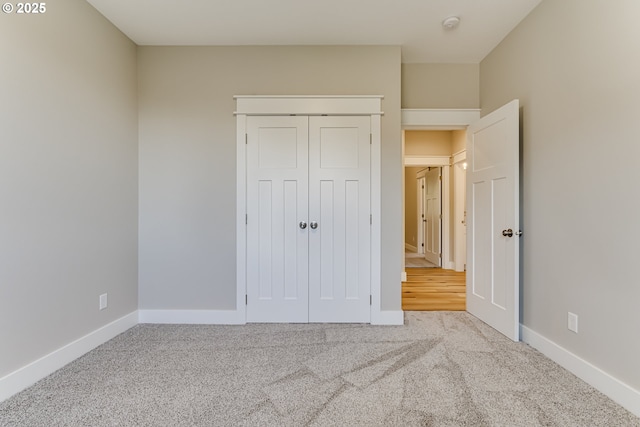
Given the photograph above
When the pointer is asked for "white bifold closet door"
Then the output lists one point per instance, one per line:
(308, 222)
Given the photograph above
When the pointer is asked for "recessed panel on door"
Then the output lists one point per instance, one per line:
(480, 247)
(277, 148)
(339, 148)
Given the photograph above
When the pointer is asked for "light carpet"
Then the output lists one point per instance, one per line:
(439, 369)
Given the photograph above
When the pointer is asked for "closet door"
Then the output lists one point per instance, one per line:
(339, 218)
(277, 204)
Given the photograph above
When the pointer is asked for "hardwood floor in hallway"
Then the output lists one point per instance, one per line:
(433, 289)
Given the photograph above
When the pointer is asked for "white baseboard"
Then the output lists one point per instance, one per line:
(192, 317)
(403, 276)
(387, 317)
(615, 389)
(232, 317)
(28, 375)
(410, 248)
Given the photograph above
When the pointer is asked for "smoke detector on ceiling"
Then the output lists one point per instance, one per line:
(451, 22)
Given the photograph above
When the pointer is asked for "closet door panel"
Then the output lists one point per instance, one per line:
(277, 247)
(339, 202)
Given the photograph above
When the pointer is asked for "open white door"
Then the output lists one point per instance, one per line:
(493, 220)
(433, 217)
(421, 214)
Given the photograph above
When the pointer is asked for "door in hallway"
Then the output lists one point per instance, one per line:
(433, 216)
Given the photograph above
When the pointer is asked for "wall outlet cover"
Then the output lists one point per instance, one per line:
(572, 322)
(103, 301)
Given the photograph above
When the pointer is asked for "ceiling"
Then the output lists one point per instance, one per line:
(415, 25)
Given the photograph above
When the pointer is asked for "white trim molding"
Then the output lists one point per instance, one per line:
(438, 119)
(458, 157)
(459, 231)
(387, 317)
(307, 105)
(193, 317)
(612, 387)
(28, 375)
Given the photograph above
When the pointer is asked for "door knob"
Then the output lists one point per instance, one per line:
(303, 225)
(313, 225)
(507, 233)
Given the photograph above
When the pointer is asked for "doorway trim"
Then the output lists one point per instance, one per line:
(310, 105)
(459, 220)
(438, 119)
(434, 119)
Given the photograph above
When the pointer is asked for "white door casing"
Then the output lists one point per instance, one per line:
(493, 220)
(459, 211)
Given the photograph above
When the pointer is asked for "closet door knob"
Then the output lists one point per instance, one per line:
(313, 225)
(303, 225)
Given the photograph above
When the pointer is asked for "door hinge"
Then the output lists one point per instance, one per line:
(370, 299)
(370, 138)
(370, 219)
(440, 177)
(246, 299)
(246, 219)
(246, 138)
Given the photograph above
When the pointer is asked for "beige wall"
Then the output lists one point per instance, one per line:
(440, 86)
(68, 179)
(574, 65)
(458, 141)
(427, 143)
(411, 206)
(188, 162)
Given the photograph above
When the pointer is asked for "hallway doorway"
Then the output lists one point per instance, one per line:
(435, 245)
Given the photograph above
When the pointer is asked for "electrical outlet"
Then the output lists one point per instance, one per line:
(572, 322)
(103, 301)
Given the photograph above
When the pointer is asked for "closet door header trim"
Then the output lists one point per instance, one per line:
(308, 105)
